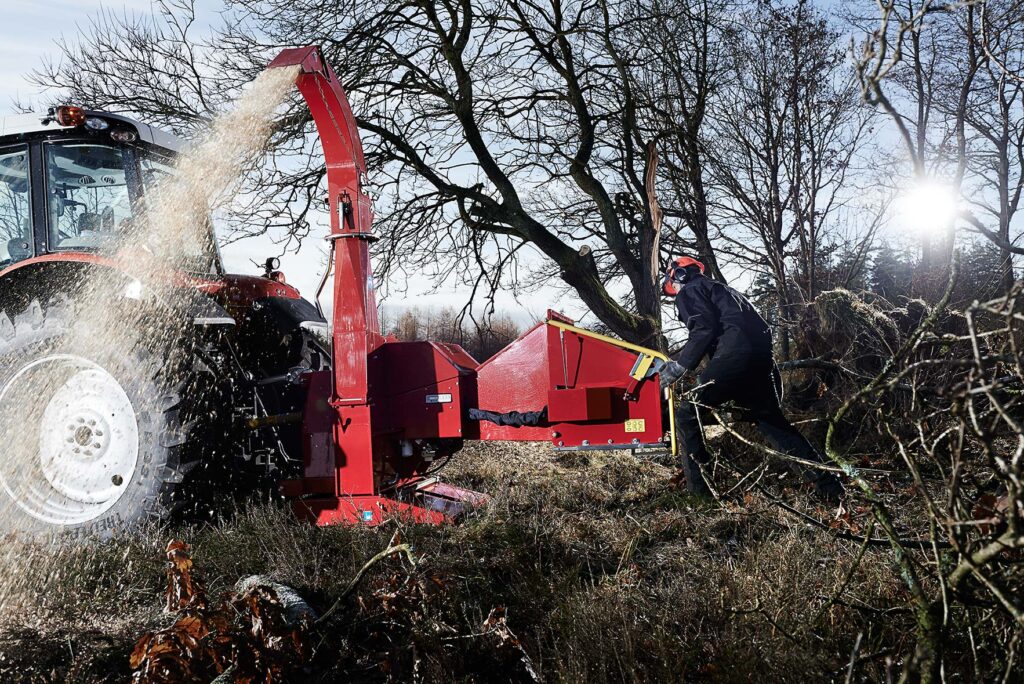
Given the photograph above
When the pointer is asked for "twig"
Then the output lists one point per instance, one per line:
(817, 465)
(853, 658)
(920, 544)
(354, 582)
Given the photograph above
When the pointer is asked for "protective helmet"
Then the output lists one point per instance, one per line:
(675, 273)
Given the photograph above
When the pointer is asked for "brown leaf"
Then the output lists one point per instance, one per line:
(139, 652)
(248, 632)
(184, 588)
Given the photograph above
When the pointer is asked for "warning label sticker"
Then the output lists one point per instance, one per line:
(635, 425)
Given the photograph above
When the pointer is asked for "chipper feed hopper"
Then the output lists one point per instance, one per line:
(351, 425)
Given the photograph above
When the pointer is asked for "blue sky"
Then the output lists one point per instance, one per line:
(29, 29)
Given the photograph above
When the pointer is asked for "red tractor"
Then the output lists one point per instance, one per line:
(250, 383)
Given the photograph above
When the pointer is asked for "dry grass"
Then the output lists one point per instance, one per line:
(605, 573)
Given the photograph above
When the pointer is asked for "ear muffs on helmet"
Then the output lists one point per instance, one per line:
(675, 273)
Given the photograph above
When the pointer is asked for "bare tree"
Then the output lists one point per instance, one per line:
(785, 138)
(994, 112)
(955, 76)
(687, 65)
(510, 140)
(495, 129)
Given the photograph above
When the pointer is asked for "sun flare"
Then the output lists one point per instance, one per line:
(929, 206)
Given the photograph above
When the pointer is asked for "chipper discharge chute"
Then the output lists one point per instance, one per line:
(244, 383)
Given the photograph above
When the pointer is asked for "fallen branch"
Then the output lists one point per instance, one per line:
(354, 582)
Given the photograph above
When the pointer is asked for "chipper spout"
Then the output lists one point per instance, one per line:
(358, 465)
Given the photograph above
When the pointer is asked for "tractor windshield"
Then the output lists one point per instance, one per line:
(89, 199)
(97, 193)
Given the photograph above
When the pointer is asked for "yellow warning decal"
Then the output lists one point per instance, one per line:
(635, 425)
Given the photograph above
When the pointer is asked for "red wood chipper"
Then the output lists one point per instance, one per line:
(350, 424)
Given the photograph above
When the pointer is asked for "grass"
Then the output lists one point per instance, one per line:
(605, 574)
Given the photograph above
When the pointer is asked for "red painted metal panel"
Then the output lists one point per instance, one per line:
(459, 356)
(74, 257)
(581, 379)
(354, 459)
(429, 412)
(579, 361)
(410, 365)
(365, 510)
(318, 426)
(242, 291)
(356, 329)
(516, 379)
(432, 503)
(581, 404)
(421, 392)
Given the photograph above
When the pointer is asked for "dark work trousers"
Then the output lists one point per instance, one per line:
(750, 381)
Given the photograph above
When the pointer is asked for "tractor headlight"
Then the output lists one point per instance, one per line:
(123, 136)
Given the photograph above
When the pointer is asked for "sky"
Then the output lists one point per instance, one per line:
(29, 29)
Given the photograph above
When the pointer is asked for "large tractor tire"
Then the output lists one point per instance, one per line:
(94, 434)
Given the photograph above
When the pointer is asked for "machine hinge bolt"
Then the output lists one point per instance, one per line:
(610, 441)
(561, 443)
(586, 442)
(556, 434)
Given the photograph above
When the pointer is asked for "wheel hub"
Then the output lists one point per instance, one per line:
(83, 436)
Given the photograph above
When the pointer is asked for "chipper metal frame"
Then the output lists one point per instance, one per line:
(374, 423)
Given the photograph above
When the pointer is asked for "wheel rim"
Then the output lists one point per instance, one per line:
(76, 442)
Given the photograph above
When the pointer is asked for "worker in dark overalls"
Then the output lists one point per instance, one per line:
(725, 327)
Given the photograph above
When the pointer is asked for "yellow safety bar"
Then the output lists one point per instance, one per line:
(647, 357)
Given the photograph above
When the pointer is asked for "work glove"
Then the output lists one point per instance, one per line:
(672, 372)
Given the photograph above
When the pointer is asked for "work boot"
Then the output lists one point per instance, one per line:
(828, 487)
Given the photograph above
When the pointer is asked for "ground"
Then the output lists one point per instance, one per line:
(602, 571)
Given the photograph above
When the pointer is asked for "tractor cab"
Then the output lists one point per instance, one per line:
(73, 180)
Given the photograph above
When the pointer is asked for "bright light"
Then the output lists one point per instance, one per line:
(929, 206)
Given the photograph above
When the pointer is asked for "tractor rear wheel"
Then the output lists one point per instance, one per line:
(93, 433)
